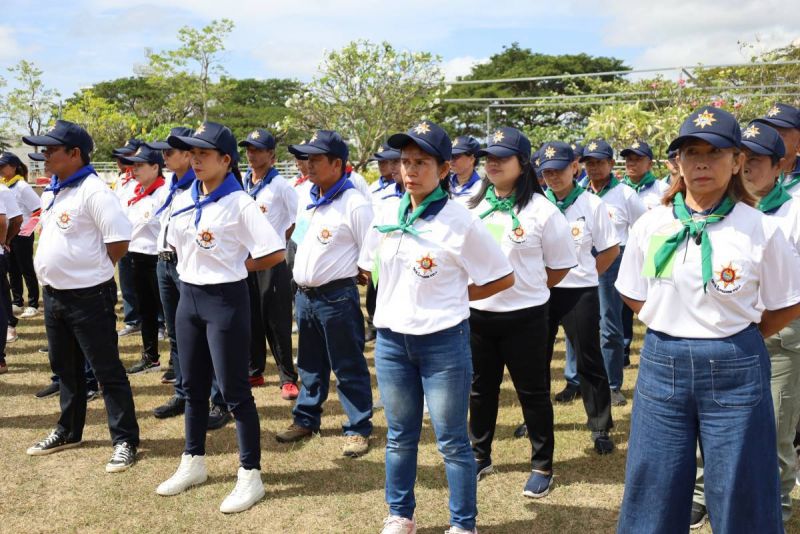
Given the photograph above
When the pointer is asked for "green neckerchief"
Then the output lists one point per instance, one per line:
(611, 184)
(773, 200)
(505, 205)
(695, 229)
(406, 220)
(791, 183)
(569, 200)
(646, 180)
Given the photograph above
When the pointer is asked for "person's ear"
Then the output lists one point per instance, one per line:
(444, 170)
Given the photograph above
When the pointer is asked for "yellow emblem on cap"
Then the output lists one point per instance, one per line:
(313, 138)
(254, 134)
(750, 132)
(497, 137)
(139, 151)
(572, 146)
(455, 143)
(537, 162)
(200, 130)
(422, 128)
(635, 145)
(773, 111)
(549, 152)
(592, 146)
(380, 149)
(706, 118)
(303, 142)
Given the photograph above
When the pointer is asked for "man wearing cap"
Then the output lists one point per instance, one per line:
(84, 233)
(639, 174)
(786, 120)
(10, 219)
(270, 290)
(672, 167)
(465, 181)
(331, 224)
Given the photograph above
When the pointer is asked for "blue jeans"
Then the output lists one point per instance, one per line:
(612, 342)
(717, 390)
(330, 336)
(437, 367)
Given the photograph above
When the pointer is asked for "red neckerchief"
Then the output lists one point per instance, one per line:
(300, 179)
(140, 192)
(128, 176)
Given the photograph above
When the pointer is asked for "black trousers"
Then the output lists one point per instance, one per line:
(20, 266)
(5, 296)
(516, 340)
(372, 297)
(83, 320)
(145, 284)
(578, 311)
(271, 321)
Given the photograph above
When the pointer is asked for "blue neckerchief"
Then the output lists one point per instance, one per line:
(342, 185)
(433, 209)
(56, 185)
(228, 186)
(465, 188)
(383, 183)
(582, 176)
(254, 190)
(181, 183)
(398, 192)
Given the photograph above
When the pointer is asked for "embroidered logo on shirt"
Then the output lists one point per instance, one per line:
(324, 236)
(263, 208)
(205, 240)
(727, 280)
(576, 228)
(426, 266)
(518, 235)
(64, 221)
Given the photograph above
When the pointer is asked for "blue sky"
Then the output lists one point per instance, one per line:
(81, 42)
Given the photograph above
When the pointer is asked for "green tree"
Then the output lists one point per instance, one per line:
(367, 91)
(109, 126)
(30, 106)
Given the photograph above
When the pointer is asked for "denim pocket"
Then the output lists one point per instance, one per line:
(337, 296)
(656, 376)
(736, 383)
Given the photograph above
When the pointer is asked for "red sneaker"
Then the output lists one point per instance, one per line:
(4, 370)
(289, 391)
(256, 381)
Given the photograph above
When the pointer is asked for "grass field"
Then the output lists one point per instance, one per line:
(310, 487)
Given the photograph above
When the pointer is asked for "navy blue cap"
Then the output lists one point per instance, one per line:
(782, 116)
(429, 136)
(178, 132)
(36, 156)
(465, 144)
(259, 138)
(577, 148)
(763, 139)
(9, 158)
(64, 133)
(554, 155)
(597, 149)
(638, 147)
(144, 154)
(209, 135)
(322, 142)
(506, 142)
(712, 125)
(385, 153)
(130, 147)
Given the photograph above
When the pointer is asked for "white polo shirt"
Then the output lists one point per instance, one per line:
(652, 195)
(463, 194)
(71, 253)
(27, 199)
(423, 279)
(378, 189)
(787, 218)
(278, 202)
(624, 208)
(590, 227)
(754, 267)
(543, 239)
(146, 226)
(124, 189)
(360, 182)
(214, 251)
(329, 238)
(8, 207)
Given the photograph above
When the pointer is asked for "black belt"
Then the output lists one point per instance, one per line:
(53, 291)
(327, 288)
(168, 256)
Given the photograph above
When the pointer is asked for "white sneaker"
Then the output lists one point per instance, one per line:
(11, 335)
(29, 312)
(191, 472)
(394, 524)
(459, 530)
(16, 310)
(248, 490)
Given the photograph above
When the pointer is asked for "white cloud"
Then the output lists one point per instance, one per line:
(460, 66)
(9, 48)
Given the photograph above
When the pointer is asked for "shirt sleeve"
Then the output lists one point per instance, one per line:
(366, 257)
(558, 250)
(481, 255)
(604, 235)
(106, 211)
(360, 222)
(29, 200)
(291, 205)
(636, 207)
(260, 239)
(12, 206)
(778, 268)
(630, 281)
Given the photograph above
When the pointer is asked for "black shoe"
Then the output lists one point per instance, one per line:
(129, 330)
(484, 467)
(49, 390)
(370, 334)
(568, 394)
(521, 431)
(147, 364)
(602, 443)
(172, 408)
(123, 457)
(796, 442)
(53, 443)
(218, 417)
(698, 517)
(168, 377)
